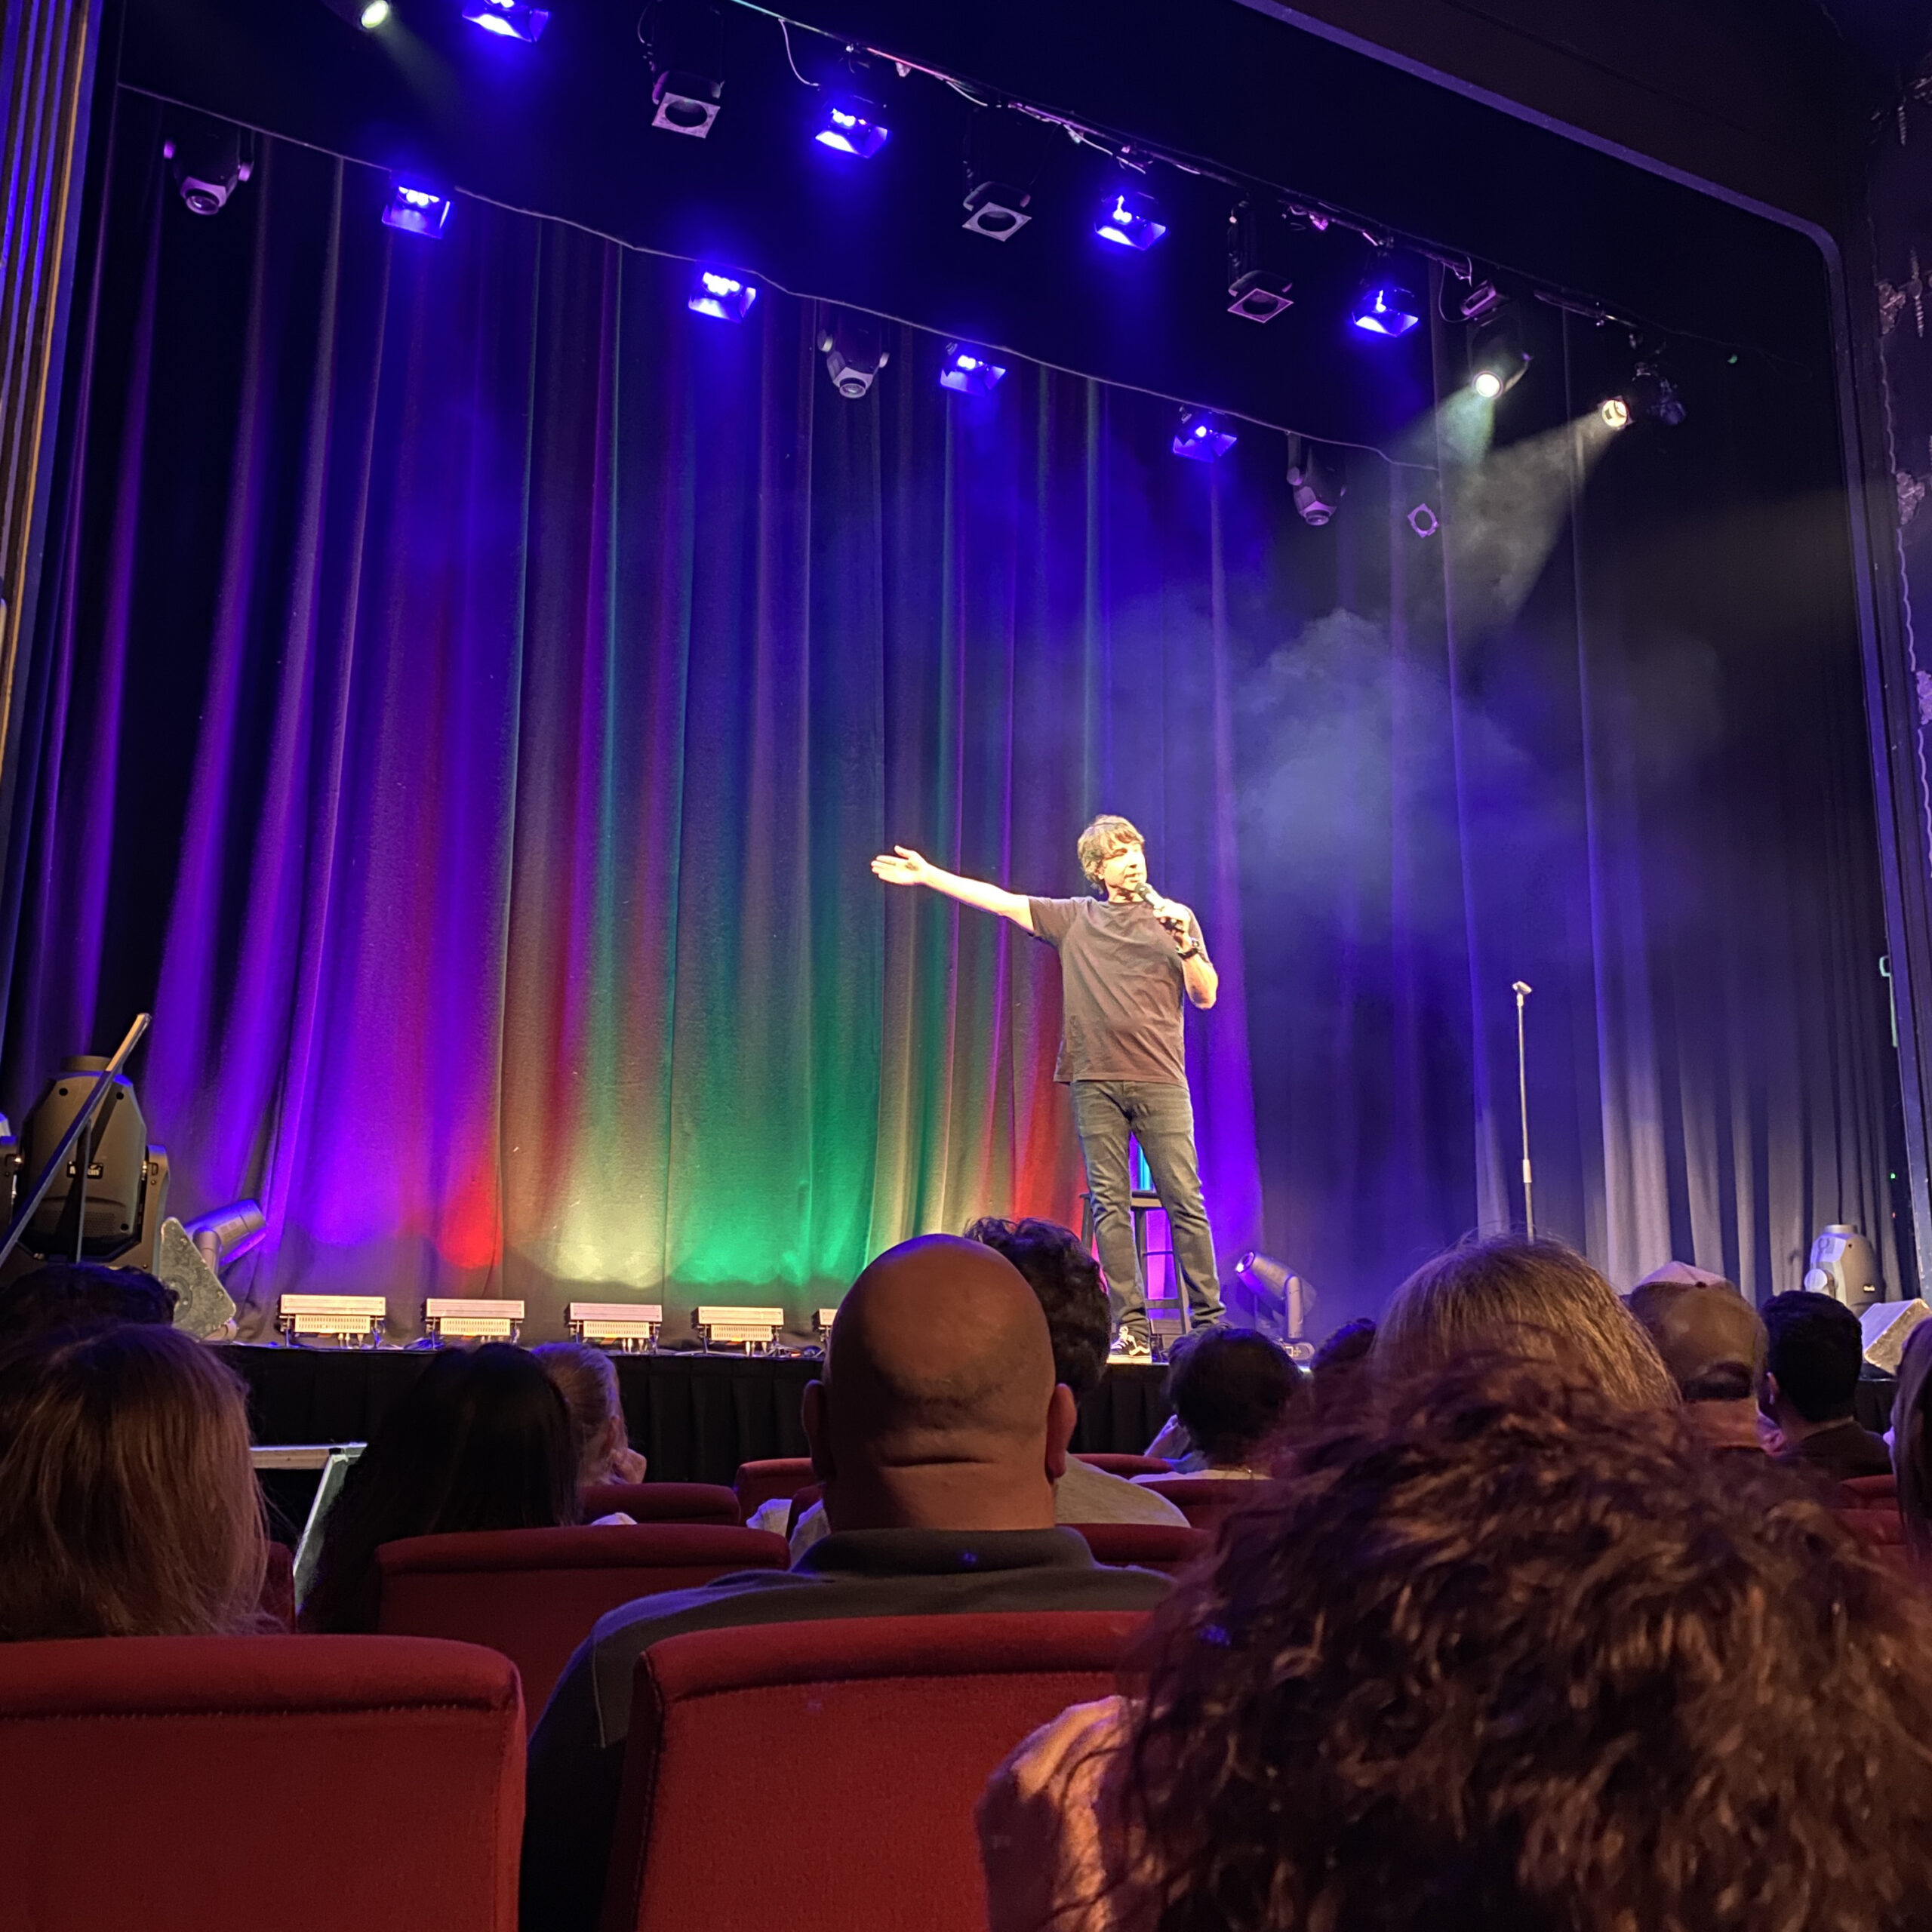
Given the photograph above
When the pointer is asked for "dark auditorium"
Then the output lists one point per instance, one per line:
(965, 968)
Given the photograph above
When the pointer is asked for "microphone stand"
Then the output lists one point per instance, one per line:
(1522, 993)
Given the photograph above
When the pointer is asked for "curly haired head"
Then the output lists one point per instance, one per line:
(1537, 1298)
(1513, 1654)
(1108, 835)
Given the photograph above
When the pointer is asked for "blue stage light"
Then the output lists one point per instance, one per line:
(1130, 220)
(850, 125)
(513, 20)
(717, 292)
(1202, 436)
(417, 211)
(969, 371)
(1387, 305)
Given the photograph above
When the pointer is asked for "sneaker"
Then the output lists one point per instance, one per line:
(1130, 1345)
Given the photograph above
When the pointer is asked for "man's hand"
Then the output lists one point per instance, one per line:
(1176, 917)
(903, 866)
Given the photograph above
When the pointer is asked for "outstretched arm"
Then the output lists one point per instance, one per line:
(903, 867)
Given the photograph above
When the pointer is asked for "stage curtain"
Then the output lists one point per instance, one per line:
(471, 688)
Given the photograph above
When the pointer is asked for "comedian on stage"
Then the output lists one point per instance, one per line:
(1126, 959)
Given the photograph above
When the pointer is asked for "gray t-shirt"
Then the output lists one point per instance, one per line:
(1121, 988)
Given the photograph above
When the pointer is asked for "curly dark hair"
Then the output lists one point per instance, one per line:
(1515, 1655)
(1067, 1280)
(1230, 1387)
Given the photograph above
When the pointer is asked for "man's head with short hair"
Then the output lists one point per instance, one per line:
(1072, 1293)
(1110, 836)
(939, 1407)
(1231, 1388)
(1816, 1349)
(80, 1295)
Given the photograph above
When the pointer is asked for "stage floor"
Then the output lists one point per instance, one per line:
(696, 1417)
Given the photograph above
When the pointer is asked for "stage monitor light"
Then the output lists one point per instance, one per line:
(969, 371)
(1129, 220)
(456, 1318)
(684, 42)
(416, 210)
(1318, 479)
(1202, 436)
(853, 356)
(754, 1330)
(851, 125)
(717, 292)
(1273, 1282)
(996, 210)
(1259, 284)
(1649, 393)
(1498, 361)
(209, 160)
(1386, 304)
(624, 1325)
(511, 19)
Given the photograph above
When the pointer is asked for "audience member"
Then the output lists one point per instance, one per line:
(1515, 1652)
(1714, 1346)
(81, 1294)
(1911, 1449)
(1536, 1298)
(938, 1430)
(587, 1380)
(1816, 1350)
(1338, 1377)
(1231, 1389)
(482, 1441)
(128, 1507)
(1072, 1295)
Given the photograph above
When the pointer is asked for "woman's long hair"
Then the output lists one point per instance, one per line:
(1537, 1299)
(128, 1507)
(481, 1442)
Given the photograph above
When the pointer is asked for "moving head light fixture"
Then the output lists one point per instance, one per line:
(1386, 304)
(967, 371)
(368, 15)
(1259, 284)
(1649, 392)
(208, 158)
(1203, 436)
(994, 207)
(1318, 479)
(683, 41)
(850, 342)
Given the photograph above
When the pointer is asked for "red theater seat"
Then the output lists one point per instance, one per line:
(664, 1502)
(1117, 1463)
(1164, 1546)
(534, 1594)
(1871, 1492)
(234, 1784)
(821, 1778)
(1204, 1500)
(763, 1481)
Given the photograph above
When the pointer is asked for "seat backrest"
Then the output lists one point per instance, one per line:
(534, 1594)
(1117, 1463)
(1204, 1500)
(1167, 1547)
(1871, 1492)
(759, 1482)
(390, 1769)
(663, 1502)
(1884, 1528)
(889, 1727)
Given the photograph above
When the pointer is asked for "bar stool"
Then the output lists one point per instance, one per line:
(1142, 1202)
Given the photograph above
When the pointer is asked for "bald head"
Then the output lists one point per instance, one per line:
(939, 1407)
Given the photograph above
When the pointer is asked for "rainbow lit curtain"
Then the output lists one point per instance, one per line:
(502, 679)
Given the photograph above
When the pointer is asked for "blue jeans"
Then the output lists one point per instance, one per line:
(1107, 1113)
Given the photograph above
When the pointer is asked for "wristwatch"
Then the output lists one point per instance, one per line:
(1192, 950)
